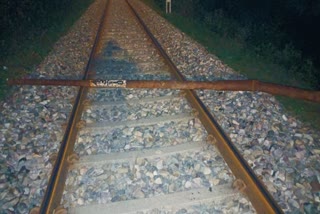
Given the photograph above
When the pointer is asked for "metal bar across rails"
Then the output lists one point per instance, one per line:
(222, 85)
(252, 186)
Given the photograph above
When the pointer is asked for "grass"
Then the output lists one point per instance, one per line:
(27, 47)
(234, 53)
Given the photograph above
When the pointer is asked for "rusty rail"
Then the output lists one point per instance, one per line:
(256, 191)
(51, 200)
(223, 85)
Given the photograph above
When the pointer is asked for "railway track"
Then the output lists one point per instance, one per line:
(145, 150)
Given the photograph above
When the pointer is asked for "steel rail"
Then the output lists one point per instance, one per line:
(55, 187)
(221, 85)
(257, 193)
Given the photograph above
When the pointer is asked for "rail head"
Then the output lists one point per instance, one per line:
(55, 187)
(257, 193)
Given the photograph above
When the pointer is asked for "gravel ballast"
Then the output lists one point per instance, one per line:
(32, 118)
(283, 151)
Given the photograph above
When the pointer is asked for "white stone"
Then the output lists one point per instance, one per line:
(171, 188)
(214, 181)
(197, 181)
(316, 151)
(26, 191)
(308, 137)
(138, 134)
(187, 184)
(160, 164)
(242, 132)
(298, 135)
(149, 174)
(138, 194)
(122, 170)
(80, 201)
(158, 181)
(235, 122)
(45, 102)
(294, 203)
(83, 171)
(293, 124)
(206, 171)
(197, 167)
(284, 117)
(140, 161)
(138, 175)
(281, 175)
(127, 147)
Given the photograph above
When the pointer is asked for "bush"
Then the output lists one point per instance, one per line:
(23, 20)
(29, 30)
(262, 26)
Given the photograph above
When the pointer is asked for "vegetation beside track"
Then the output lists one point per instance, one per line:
(29, 31)
(257, 59)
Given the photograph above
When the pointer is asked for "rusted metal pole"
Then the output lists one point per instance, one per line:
(223, 85)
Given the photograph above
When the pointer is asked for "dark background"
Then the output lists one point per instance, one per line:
(299, 20)
(287, 30)
(25, 21)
